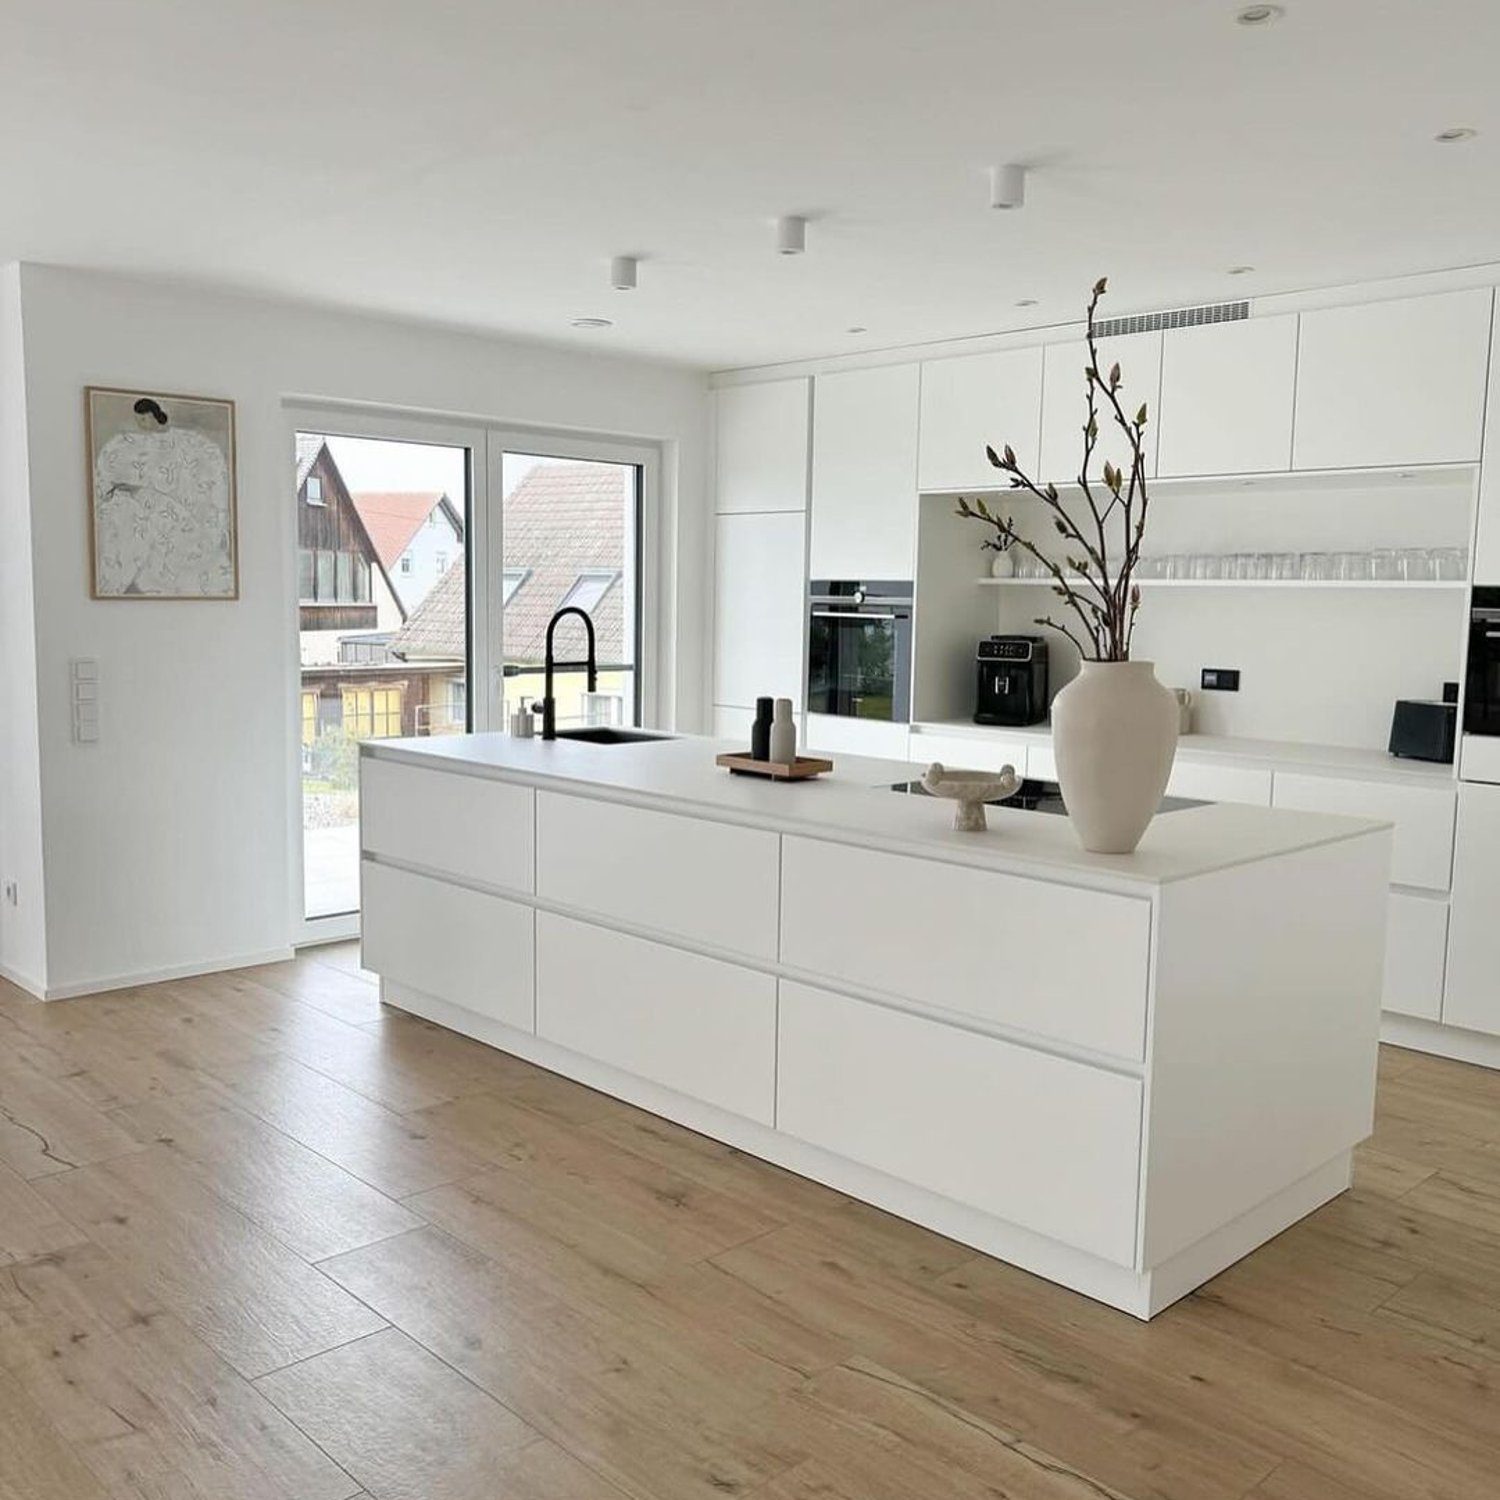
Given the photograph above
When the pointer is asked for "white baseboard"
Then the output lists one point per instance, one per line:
(1441, 1041)
(1141, 1294)
(33, 987)
(159, 976)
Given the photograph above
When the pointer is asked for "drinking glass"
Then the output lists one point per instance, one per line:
(1385, 563)
(1315, 566)
(1417, 565)
(1452, 563)
(1355, 567)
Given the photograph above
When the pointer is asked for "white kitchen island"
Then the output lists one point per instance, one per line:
(1119, 1072)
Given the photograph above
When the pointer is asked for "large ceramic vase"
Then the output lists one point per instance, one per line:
(1114, 733)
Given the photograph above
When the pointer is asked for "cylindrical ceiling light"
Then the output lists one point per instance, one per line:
(622, 273)
(1007, 186)
(791, 235)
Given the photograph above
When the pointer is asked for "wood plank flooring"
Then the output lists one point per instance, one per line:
(261, 1239)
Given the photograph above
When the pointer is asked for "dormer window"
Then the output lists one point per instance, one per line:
(314, 490)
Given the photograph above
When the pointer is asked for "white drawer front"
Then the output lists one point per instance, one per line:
(829, 734)
(1423, 852)
(1416, 944)
(1041, 763)
(471, 827)
(1049, 959)
(710, 882)
(448, 941)
(968, 752)
(693, 1024)
(1220, 783)
(1045, 1143)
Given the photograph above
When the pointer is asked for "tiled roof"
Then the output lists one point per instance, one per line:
(561, 521)
(309, 446)
(392, 518)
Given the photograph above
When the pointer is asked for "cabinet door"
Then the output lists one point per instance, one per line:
(1393, 382)
(762, 446)
(1422, 854)
(1226, 397)
(979, 399)
(1064, 405)
(693, 1024)
(760, 598)
(1416, 938)
(449, 941)
(864, 468)
(1471, 992)
(1037, 1140)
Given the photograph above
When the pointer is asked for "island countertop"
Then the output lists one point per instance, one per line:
(853, 804)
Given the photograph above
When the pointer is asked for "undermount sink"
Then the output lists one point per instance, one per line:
(603, 735)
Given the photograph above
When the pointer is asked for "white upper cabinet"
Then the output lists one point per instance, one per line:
(1064, 405)
(762, 446)
(1389, 383)
(864, 473)
(1487, 543)
(1227, 391)
(760, 599)
(979, 399)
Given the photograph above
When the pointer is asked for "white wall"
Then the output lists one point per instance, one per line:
(23, 956)
(166, 841)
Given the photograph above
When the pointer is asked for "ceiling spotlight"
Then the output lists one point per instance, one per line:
(791, 235)
(1240, 270)
(592, 323)
(622, 273)
(1455, 133)
(1259, 15)
(1007, 186)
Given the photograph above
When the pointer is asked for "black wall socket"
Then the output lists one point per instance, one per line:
(1221, 679)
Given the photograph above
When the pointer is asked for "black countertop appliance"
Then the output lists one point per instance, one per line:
(1012, 672)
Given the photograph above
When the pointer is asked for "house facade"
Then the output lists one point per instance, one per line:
(418, 535)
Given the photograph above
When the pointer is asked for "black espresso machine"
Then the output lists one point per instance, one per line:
(1012, 680)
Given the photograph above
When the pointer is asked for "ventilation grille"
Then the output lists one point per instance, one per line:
(1181, 317)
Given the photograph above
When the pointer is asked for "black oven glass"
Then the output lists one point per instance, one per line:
(859, 652)
(1482, 684)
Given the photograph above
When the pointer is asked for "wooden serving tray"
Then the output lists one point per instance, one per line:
(801, 769)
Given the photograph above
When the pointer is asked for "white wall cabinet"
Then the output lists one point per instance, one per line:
(1064, 404)
(1422, 854)
(760, 595)
(852, 913)
(1226, 397)
(762, 439)
(864, 473)
(976, 400)
(971, 1117)
(446, 940)
(1471, 992)
(1389, 383)
(1416, 941)
(711, 883)
(704, 1028)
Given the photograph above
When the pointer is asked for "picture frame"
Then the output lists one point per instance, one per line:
(162, 495)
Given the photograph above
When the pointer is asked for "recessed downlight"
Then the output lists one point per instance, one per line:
(592, 323)
(858, 328)
(1026, 302)
(1259, 15)
(1454, 134)
(1240, 270)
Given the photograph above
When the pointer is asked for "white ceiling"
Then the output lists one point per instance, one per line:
(478, 161)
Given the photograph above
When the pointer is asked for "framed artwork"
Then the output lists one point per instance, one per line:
(161, 496)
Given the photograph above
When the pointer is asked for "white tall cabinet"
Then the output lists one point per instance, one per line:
(864, 473)
(1388, 383)
(763, 433)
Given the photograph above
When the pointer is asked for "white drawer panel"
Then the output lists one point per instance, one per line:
(469, 826)
(1049, 959)
(692, 1024)
(686, 877)
(830, 734)
(448, 941)
(1416, 945)
(1423, 852)
(1220, 783)
(969, 752)
(1041, 763)
(1043, 1142)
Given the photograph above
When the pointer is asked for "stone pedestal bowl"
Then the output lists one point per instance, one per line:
(970, 790)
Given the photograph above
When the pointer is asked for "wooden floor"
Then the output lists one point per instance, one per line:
(261, 1239)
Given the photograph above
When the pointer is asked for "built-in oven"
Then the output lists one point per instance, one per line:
(1482, 675)
(859, 649)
